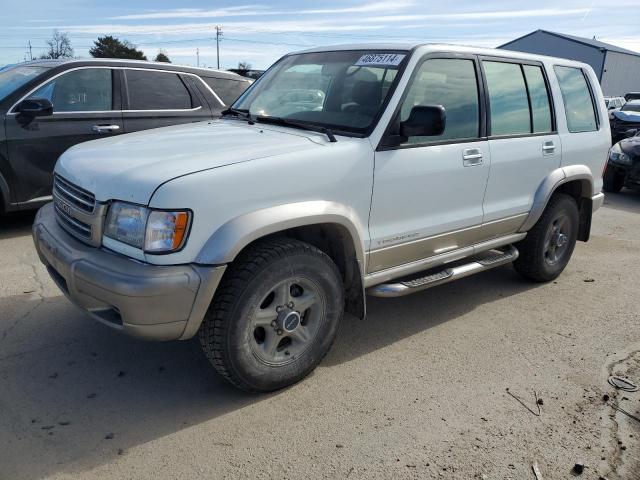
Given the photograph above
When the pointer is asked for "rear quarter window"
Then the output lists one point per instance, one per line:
(577, 99)
(228, 90)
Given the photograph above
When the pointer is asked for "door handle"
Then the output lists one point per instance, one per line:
(471, 157)
(105, 128)
(548, 148)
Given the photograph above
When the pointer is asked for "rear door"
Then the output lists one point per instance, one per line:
(86, 106)
(157, 98)
(524, 142)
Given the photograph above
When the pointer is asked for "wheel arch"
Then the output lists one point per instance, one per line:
(575, 181)
(331, 227)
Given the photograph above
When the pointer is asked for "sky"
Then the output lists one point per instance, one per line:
(261, 31)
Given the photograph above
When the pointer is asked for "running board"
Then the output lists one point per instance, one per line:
(486, 261)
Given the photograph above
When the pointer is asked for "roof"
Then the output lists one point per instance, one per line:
(584, 41)
(442, 48)
(132, 63)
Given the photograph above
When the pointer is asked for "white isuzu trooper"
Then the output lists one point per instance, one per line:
(342, 172)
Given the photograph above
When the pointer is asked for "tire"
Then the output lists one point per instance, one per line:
(274, 316)
(544, 253)
(612, 180)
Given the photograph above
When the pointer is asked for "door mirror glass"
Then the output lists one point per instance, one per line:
(424, 121)
(35, 107)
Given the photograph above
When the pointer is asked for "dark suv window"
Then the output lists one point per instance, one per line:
(84, 90)
(149, 90)
(227, 90)
(451, 83)
(578, 104)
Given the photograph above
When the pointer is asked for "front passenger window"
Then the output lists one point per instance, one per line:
(84, 90)
(451, 83)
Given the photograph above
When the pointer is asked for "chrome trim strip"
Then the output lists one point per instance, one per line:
(426, 263)
(11, 112)
(46, 198)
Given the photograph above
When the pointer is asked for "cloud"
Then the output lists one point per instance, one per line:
(257, 10)
(540, 12)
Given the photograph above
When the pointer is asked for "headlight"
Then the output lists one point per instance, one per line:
(154, 231)
(616, 155)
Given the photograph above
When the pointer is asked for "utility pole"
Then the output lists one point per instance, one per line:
(30, 51)
(218, 35)
(198, 56)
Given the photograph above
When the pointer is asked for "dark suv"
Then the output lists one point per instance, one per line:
(48, 106)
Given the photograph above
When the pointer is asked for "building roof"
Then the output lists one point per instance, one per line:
(584, 41)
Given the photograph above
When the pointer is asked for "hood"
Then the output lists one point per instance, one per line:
(627, 116)
(631, 146)
(130, 167)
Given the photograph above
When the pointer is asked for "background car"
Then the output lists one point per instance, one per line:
(614, 104)
(623, 166)
(48, 106)
(626, 121)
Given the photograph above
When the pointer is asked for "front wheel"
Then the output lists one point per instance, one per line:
(547, 248)
(274, 316)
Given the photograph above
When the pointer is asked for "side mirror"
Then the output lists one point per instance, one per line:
(424, 121)
(35, 107)
(631, 132)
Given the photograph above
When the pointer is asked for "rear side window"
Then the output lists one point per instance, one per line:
(227, 90)
(84, 90)
(578, 104)
(507, 98)
(453, 84)
(149, 90)
(539, 97)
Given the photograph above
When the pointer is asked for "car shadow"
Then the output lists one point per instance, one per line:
(16, 224)
(628, 200)
(80, 394)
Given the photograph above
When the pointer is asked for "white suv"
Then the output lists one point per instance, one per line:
(380, 170)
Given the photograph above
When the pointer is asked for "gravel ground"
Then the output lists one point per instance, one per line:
(417, 390)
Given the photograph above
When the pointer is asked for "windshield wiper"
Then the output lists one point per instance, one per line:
(302, 126)
(238, 112)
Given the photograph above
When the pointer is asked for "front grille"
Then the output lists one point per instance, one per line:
(79, 228)
(78, 212)
(71, 194)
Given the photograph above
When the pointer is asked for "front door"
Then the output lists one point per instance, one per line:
(428, 191)
(85, 107)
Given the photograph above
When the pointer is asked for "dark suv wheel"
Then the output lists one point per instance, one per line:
(547, 248)
(612, 181)
(274, 316)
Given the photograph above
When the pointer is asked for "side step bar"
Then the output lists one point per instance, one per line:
(487, 261)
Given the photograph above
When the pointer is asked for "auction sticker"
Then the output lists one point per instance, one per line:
(380, 60)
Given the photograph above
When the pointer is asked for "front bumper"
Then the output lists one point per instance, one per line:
(146, 301)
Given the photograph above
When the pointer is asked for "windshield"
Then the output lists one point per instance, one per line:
(343, 90)
(14, 77)
(631, 107)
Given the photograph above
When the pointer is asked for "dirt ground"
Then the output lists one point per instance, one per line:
(417, 390)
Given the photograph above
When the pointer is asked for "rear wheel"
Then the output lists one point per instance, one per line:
(274, 316)
(548, 246)
(612, 180)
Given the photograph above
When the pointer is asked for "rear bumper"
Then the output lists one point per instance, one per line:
(142, 300)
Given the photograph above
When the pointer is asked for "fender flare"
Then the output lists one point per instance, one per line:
(551, 183)
(228, 241)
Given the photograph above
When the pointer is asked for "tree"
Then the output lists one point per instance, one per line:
(110, 47)
(244, 66)
(59, 46)
(162, 57)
